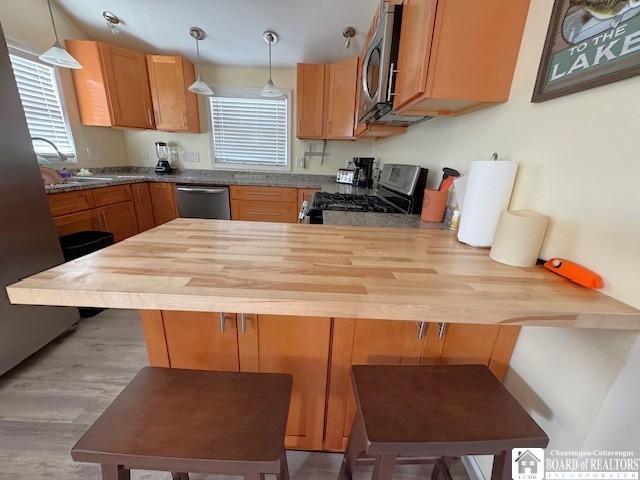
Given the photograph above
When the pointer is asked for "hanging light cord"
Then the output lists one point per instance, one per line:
(198, 58)
(55, 31)
(270, 42)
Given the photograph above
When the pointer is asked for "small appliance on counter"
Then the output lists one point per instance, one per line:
(401, 191)
(347, 176)
(364, 167)
(163, 167)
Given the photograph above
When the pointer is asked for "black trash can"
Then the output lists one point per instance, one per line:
(80, 244)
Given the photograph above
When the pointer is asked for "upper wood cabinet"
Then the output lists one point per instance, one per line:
(112, 87)
(341, 103)
(456, 57)
(175, 108)
(310, 100)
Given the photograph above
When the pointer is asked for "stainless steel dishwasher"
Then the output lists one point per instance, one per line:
(201, 201)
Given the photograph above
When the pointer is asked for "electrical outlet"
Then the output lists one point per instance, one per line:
(191, 157)
(300, 162)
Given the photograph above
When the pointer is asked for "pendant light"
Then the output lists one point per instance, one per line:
(270, 89)
(56, 54)
(199, 86)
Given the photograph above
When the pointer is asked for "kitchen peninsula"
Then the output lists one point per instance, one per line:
(312, 300)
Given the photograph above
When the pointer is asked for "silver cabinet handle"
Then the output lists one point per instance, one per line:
(201, 190)
(264, 214)
(221, 322)
(149, 117)
(442, 330)
(243, 323)
(422, 329)
(392, 72)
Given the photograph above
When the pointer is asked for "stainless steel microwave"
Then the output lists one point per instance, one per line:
(379, 65)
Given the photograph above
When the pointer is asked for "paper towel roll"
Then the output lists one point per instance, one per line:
(519, 237)
(487, 194)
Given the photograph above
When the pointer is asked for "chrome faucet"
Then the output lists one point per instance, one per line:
(61, 156)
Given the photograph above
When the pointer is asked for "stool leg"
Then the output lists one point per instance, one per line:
(441, 468)
(357, 443)
(383, 468)
(115, 472)
(284, 468)
(179, 476)
(501, 466)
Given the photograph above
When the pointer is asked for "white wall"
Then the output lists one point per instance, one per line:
(140, 144)
(28, 22)
(578, 164)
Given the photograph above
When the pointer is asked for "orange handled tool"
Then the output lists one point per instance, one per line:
(574, 272)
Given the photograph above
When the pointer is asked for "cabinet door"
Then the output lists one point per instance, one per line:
(119, 219)
(128, 87)
(174, 107)
(341, 106)
(310, 100)
(163, 199)
(77, 222)
(363, 342)
(488, 345)
(199, 340)
(110, 195)
(70, 202)
(418, 18)
(295, 345)
(260, 211)
(143, 205)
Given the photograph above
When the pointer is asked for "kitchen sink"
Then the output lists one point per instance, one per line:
(90, 179)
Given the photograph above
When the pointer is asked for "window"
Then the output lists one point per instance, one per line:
(249, 131)
(39, 89)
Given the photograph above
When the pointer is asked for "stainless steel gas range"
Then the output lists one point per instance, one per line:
(401, 190)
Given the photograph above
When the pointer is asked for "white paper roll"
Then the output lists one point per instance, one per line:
(487, 194)
(519, 237)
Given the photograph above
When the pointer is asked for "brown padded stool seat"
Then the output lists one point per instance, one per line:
(436, 411)
(192, 421)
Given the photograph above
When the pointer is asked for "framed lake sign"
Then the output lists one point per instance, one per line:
(589, 43)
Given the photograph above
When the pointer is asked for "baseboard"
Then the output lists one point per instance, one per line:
(472, 467)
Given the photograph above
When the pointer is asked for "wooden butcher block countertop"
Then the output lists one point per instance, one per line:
(319, 270)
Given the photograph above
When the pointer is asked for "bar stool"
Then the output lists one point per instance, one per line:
(182, 421)
(437, 412)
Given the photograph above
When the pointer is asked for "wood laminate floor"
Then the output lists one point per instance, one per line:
(48, 401)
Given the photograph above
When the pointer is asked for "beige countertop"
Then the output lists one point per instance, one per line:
(319, 270)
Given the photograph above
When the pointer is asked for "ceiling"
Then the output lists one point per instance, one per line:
(309, 30)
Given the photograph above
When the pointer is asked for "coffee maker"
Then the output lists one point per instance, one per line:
(163, 167)
(364, 167)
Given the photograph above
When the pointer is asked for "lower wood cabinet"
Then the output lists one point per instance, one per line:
(77, 222)
(319, 353)
(119, 219)
(144, 206)
(264, 204)
(163, 198)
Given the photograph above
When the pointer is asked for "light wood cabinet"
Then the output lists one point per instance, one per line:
(455, 57)
(112, 88)
(202, 340)
(341, 104)
(110, 195)
(77, 222)
(361, 342)
(163, 199)
(143, 205)
(310, 100)
(175, 108)
(298, 346)
(264, 204)
(119, 219)
(70, 202)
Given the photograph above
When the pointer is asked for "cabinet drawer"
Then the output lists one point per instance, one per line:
(77, 222)
(268, 194)
(260, 211)
(110, 195)
(70, 202)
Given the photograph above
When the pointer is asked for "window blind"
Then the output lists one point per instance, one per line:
(38, 89)
(250, 131)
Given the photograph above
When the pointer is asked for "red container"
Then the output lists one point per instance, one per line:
(434, 205)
